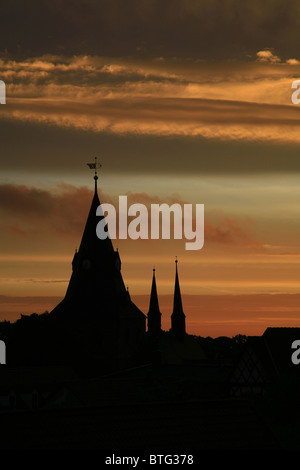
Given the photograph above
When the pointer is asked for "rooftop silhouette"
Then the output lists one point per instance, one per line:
(97, 295)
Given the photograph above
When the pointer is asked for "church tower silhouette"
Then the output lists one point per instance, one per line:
(154, 315)
(96, 294)
(177, 317)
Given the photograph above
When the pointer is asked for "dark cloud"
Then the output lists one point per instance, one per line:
(53, 150)
(30, 211)
(34, 212)
(149, 116)
(154, 98)
(215, 29)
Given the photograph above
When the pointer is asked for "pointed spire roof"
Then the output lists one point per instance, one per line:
(96, 285)
(90, 242)
(177, 317)
(177, 303)
(154, 315)
(154, 306)
(94, 262)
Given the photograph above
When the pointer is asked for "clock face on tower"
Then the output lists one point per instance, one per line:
(86, 264)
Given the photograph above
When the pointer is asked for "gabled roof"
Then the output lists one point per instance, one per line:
(268, 355)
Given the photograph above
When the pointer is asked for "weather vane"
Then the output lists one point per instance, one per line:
(94, 166)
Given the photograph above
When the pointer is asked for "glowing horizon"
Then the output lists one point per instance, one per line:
(171, 119)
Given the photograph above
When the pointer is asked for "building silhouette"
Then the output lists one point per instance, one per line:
(182, 387)
(97, 299)
(97, 303)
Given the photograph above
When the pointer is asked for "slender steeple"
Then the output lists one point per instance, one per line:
(177, 317)
(154, 315)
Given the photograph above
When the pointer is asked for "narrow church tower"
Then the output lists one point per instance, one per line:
(96, 299)
(96, 285)
(177, 317)
(154, 315)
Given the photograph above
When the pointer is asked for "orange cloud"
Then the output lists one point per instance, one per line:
(29, 211)
(232, 231)
(239, 101)
(33, 212)
(267, 56)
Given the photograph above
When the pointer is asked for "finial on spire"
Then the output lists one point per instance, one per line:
(94, 166)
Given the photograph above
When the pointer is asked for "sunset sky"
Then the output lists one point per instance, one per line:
(182, 101)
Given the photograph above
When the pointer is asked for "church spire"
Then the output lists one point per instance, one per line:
(96, 282)
(109, 326)
(154, 315)
(177, 317)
